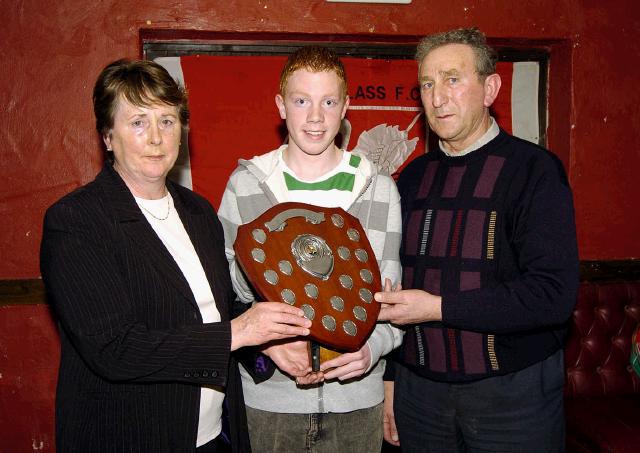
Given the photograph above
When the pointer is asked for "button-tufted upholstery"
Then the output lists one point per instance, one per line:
(602, 391)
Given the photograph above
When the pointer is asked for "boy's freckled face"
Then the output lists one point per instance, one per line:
(313, 107)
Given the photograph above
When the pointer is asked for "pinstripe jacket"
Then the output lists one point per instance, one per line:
(135, 351)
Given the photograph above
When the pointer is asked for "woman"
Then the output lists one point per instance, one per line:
(134, 266)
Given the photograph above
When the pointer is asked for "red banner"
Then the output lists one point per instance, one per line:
(233, 112)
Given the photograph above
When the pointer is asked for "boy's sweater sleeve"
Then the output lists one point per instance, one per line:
(230, 218)
(258, 365)
(385, 336)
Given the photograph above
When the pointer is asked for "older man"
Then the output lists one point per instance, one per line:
(490, 270)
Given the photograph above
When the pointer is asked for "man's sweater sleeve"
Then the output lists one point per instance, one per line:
(542, 290)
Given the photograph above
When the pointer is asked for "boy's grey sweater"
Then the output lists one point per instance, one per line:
(257, 185)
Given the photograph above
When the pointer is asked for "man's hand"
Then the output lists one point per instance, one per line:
(390, 433)
(348, 365)
(268, 321)
(409, 306)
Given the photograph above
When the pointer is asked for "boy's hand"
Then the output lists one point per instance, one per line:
(291, 357)
(348, 365)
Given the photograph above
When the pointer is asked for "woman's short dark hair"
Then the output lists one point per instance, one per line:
(140, 82)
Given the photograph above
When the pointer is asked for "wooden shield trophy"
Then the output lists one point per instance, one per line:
(318, 259)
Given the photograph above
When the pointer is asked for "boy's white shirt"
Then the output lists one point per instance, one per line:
(328, 197)
(269, 164)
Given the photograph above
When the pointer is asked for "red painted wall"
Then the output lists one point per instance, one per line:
(52, 52)
(29, 356)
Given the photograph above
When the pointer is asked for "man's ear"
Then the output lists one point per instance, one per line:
(492, 84)
(280, 104)
(346, 106)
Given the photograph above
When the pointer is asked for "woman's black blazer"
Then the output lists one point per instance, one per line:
(135, 351)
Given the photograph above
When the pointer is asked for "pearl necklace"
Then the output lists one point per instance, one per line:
(155, 216)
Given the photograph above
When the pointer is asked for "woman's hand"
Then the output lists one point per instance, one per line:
(268, 321)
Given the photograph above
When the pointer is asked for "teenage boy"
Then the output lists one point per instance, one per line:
(340, 408)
